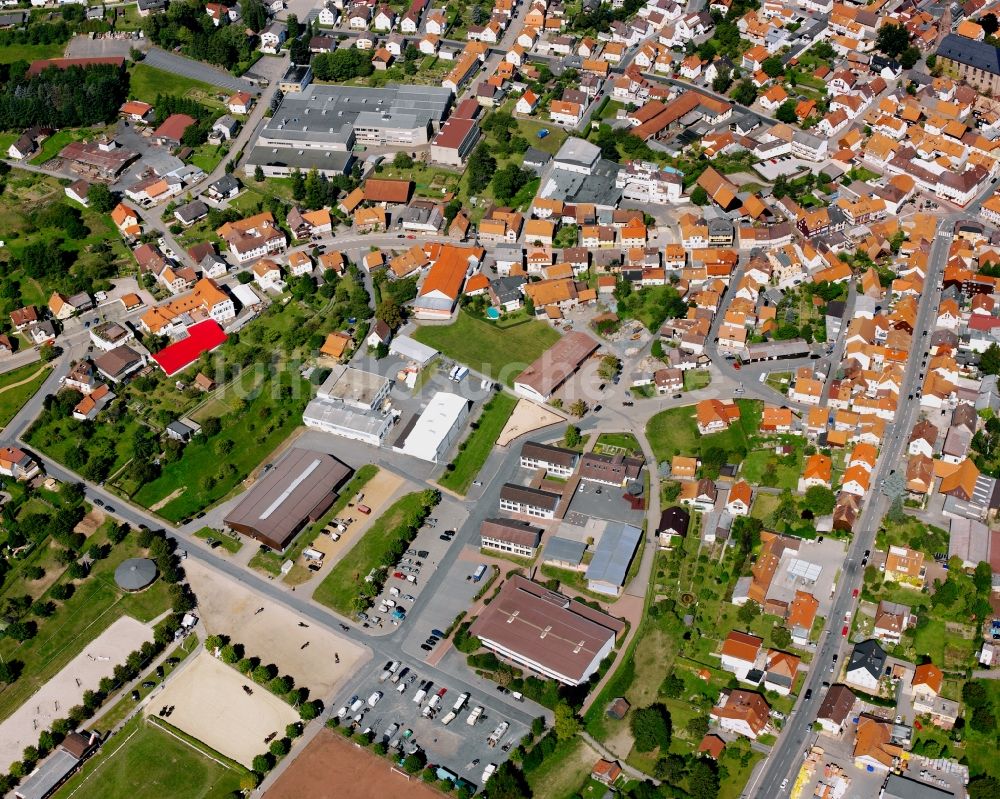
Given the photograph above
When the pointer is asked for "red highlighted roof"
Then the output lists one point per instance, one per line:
(202, 337)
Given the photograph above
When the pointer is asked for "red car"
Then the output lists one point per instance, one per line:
(843, 632)
(399, 575)
(854, 593)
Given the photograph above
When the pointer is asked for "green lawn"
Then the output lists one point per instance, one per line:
(95, 605)
(477, 447)
(207, 156)
(501, 354)
(564, 771)
(145, 760)
(12, 397)
(764, 467)
(10, 53)
(340, 587)
(146, 82)
(201, 477)
(231, 545)
(615, 443)
(675, 432)
(696, 378)
(428, 181)
(54, 143)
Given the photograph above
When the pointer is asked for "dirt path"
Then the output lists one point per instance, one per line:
(24, 382)
(168, 498)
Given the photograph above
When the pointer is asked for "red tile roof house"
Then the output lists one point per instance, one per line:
(172, 129)
(743, 712)
(606, 772)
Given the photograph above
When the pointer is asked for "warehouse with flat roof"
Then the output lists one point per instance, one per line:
(430, 435)
(318, 127)
(299, 490)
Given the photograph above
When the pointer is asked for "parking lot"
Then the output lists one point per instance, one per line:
(407, 725)
(417, 570)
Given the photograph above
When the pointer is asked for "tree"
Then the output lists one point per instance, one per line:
(697, 726)
(989, 361)
(745, 93)
(100, 198)
(258, 174)
(974, 694)
(673, 686)
(892, 40)
(781, 637)
(566, 725)
(983, 720)
(572, 437)
(820, 500)
(786, 112)
(254, 15)
(279, 747)
(415, 762)
(388, 311)
(482, 165)
(772, 66)
(507, 782)
(909, 57)
(748, 612)
(651, 728)
(984, 786)
(298, 185)
(262, 764)
(703, 780)
(699, 196)
(578, 408)
(402, 161)
(509, 180)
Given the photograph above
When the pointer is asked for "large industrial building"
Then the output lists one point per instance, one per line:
(430, 435)
(546, 632)
(317, 128)
(349, 404)
(299, 490)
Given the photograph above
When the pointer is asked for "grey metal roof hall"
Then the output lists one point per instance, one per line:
(614, 553)
(979, 55)
(135, 574)
(324, 115)
(565, 550)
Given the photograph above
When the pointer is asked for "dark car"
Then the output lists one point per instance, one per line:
(445, 537)
(423, 553)
(809, 694)
(148, 684)
(438, 633)
(426, 648)
(109, 509)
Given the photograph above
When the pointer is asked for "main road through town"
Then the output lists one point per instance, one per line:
(781, 767)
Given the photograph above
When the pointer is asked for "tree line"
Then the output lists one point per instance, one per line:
(62, 98)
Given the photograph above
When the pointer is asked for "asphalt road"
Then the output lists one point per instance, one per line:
(797, 733)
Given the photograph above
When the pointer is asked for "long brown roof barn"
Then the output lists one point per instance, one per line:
(546, 631)
(555, 366)
(298, 490)
(378, 190)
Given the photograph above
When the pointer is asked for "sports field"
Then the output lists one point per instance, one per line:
(148, 759)
(333, 768)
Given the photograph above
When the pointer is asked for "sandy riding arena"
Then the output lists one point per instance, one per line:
(331, 767)
(229, 608)
(65, 689)
(211, 705)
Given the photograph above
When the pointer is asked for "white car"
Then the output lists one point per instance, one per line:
(488, 771)
(373, 699)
